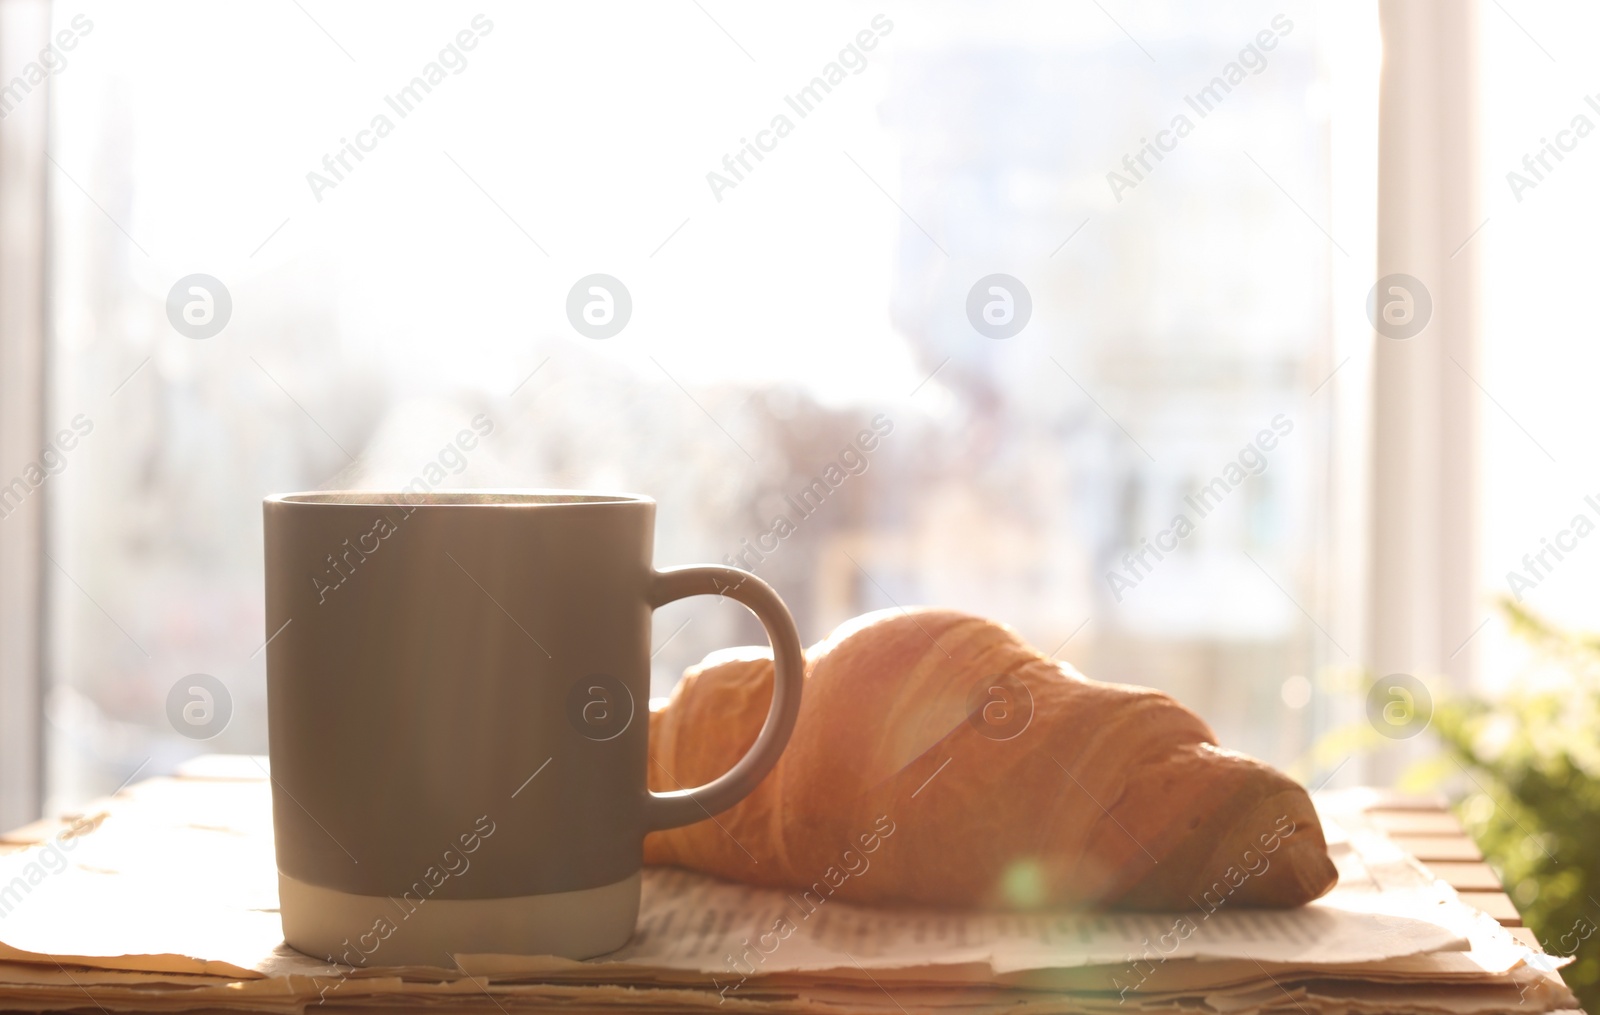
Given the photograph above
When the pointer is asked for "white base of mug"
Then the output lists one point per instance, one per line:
(340, 927)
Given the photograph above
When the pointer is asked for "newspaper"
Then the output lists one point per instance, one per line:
(172, 887)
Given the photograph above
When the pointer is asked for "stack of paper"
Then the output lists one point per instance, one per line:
(165, 900)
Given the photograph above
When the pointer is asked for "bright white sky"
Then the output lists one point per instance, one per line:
(416, 252)
(541, 115)
(419, 252)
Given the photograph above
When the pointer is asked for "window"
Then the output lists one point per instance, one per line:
(1077, 267)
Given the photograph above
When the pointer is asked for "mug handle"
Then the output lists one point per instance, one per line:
(680, 807)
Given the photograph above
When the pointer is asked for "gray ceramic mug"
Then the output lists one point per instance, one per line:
(457, 691)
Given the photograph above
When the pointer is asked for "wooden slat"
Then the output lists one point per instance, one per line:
(1527, 937)
(1428, 848)
(33, 834)
(1496, 904)
(1441, 823)
(1395, 800)
(38, 832)
(1468, 876)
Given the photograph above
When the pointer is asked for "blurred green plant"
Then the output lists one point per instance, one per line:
(1531, 761)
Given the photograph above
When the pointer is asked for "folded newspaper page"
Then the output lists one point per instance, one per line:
(181, 875)
(172, 887)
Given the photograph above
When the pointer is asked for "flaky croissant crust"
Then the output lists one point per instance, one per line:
(939, 760)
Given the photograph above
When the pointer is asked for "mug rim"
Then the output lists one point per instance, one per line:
(525, 498)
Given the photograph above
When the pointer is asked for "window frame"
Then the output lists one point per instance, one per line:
(1421, 504)
(24, 208)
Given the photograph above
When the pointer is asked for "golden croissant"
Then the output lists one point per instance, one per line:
(939, 760)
